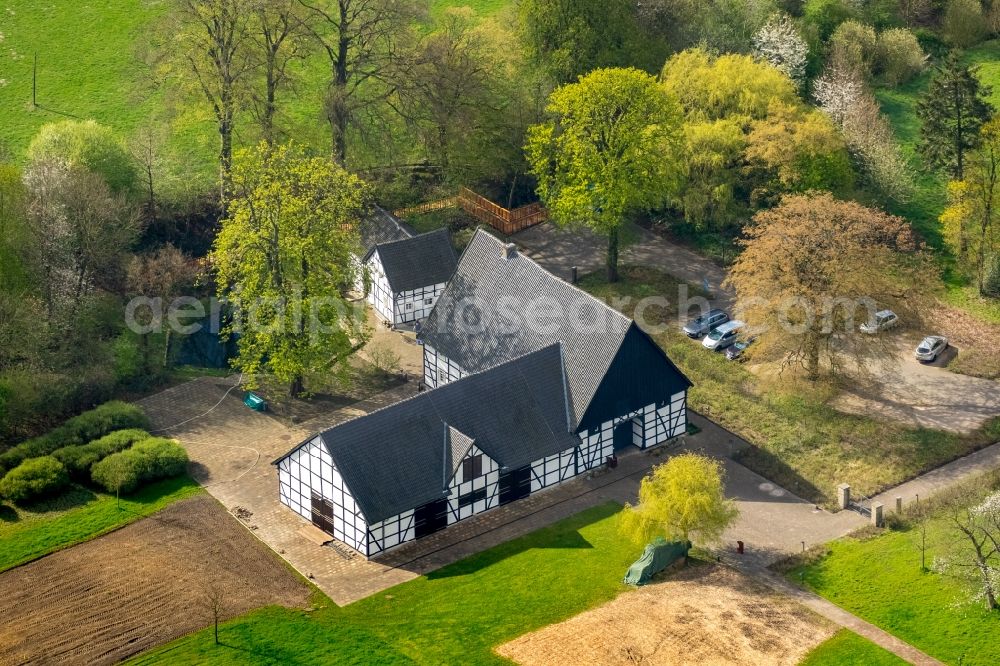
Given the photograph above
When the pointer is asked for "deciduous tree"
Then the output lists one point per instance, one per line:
(612, 145)
(284, 256)
(972, 218)
(209, 47)
(974, 555)
(366, 42)
(683, 499)
(814, 268)
(279, 37)
(951, 112)
(779, 43)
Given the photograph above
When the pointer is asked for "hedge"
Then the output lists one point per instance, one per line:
(148, 460)
(78, 430)
(34, 478)
(79, 459)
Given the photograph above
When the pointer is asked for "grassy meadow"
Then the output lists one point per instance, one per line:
(846, 648)
(879, 579)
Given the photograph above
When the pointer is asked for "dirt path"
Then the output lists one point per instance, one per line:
(702, 616)
(108, 599)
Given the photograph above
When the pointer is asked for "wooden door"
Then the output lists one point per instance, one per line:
(430, 518)
(515, 484)
(322, 513)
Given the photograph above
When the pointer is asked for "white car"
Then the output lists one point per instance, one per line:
(884, 319)
(723, 336)
(931, 347)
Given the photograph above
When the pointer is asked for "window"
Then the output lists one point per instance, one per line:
(409, 306)
(472, 467)
(428, 301)
(470, 498)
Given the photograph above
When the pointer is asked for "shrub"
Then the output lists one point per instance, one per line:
(853, 44)
(34, 478)
(78, 430)
(963, 24)
(79, 459)
(148, 460)
(826, 15)
(900, 57)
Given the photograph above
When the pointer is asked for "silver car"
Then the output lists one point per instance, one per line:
(930, 348)
(883, 319)
(701, 326)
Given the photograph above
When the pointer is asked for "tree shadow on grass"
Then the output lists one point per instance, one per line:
(564, 535)
(8, 514)
(74, 497)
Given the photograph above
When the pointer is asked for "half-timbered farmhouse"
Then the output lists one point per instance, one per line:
(405, 277)
(532, 382)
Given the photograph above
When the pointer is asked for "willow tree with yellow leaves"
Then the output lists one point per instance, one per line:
(681, 500)
(284, 258)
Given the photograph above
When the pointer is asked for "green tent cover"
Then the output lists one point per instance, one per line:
(657, 556)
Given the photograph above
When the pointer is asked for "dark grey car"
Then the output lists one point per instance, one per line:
(701, 326)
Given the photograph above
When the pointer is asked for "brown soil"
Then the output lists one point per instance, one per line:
(108, 599)
(704, 615)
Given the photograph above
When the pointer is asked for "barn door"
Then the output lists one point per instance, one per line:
(430, 518)
(623, 435)
(515, 484)
(322, 513)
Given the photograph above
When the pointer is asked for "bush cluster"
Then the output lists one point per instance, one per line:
(78, 430)
(34, 478)
(148, 460)
(79, 459)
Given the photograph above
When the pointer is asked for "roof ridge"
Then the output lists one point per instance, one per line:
(554, 276)
(427, 392)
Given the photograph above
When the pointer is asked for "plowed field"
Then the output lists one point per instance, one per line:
(148, 583)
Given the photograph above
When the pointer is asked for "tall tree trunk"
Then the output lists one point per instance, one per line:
(812, 358)
(613, 243)
(296, 387)
(225, 159)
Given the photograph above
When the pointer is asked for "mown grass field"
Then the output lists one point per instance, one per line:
(801, 442)
(879, 579)
(846, 648)
(929, 197)
(79, 515)
(455, 615)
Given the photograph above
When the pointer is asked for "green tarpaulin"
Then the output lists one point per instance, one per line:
(658, 555)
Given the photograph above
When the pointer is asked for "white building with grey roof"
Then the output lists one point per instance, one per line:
(531, 382)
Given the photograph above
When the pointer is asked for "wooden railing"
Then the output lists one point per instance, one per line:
(502, 219)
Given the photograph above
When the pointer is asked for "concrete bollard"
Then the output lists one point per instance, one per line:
(877, 519)
(899, 504)
(843, 496)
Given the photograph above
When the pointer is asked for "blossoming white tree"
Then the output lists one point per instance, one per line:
(780, 44)
(976, 553)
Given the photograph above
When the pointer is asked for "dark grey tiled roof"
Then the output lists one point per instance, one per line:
(512, 306)
(380, 226)
(393, 459)
(420, 261)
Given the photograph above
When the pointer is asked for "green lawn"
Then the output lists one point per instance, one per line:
(900, 106)
(456, 615)
(79, 515)
(801, 442)
(846, 648)
(879, 579)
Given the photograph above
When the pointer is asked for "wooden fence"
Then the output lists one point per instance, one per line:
(502, 219)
